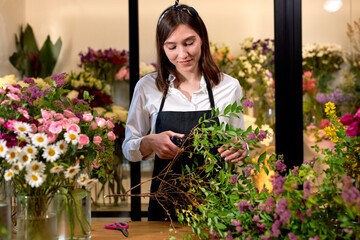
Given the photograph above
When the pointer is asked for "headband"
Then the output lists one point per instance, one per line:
(190, 10)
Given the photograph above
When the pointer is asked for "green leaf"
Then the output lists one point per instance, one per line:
(227, 109)
(221, 226)
(28, 41)
(266, 170)
(209, 167)
(262, 158)
(79, 193)
(48, 56)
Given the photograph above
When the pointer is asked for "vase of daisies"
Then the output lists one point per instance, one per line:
(47, 144)
(5, 208)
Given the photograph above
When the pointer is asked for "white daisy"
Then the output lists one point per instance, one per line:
(90, 183)
(34, 179)
(30, 149)
(22, 128)
(57, 169)
(51, 153)
(62, 145)
(3, 148)
(9, 174)
(82, 179)
(72, 137)
(17, 167)
(72, 171)
(35, 166)
(12, 155)
(40, 139)
(24, 158)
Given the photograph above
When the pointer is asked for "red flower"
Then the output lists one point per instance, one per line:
(347, 119)
(353, 129)
(324, 123)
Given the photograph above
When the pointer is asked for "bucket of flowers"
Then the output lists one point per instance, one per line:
(47, 145)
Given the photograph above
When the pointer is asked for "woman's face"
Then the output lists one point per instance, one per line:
(183, 49)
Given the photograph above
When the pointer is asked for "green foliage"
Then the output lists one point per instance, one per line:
(29, 60)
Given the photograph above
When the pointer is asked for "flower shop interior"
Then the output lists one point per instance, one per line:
(298, 62)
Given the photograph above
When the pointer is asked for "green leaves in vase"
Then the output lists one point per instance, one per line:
(29, 60)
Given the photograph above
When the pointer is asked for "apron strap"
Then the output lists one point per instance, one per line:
(208, 86)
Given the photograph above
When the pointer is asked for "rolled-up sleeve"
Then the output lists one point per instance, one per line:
(138, 125)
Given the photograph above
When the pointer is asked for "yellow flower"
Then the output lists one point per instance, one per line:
(331, 133)
(8, 79)
(330, 108)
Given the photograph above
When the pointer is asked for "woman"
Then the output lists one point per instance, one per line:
(169, 102)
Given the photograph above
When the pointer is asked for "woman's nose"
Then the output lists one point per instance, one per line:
(183, 53)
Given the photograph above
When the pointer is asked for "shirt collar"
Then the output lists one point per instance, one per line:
(203, 87)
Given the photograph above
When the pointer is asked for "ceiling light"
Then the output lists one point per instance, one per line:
(332, 5)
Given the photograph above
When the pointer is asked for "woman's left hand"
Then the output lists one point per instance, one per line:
(233, 154)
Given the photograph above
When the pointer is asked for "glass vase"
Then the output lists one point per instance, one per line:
(36, 218)
(5, 210)
(74, 214)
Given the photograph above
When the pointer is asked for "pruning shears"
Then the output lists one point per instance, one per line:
(120, 226)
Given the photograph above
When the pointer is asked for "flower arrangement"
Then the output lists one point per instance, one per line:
(103, 64)
(323, 60)
(221, 199)
(48, 142)
(144, 68)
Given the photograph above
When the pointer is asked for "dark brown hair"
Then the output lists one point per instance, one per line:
(168, 21)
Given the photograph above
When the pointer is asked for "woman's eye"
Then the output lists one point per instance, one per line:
(190, 43)
(171, 47)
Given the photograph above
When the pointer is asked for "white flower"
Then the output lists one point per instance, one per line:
(90, 183)
(51, 153)
(40, 140)
(17, 167)
(8, 174)
(35, 166)
(72, 171)
(11, 155)
(24, 158)
(82, 179)
(3, 148)
(21, 128)
(30, 149)
(72, 137)
(62, 146)
(57, 169)
(34, 179)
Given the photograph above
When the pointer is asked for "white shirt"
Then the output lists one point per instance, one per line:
(146, 102)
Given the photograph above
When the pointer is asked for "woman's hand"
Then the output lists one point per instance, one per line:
(161, 144)
(233, 154)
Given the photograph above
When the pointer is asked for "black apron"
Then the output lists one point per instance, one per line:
(179, 122)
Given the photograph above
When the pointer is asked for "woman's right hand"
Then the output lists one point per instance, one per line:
(161, 144)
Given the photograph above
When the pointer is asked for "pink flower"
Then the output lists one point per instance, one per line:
(51, 137)
(10, 124)
(100, 122)
(46, 115)
(41, 129)
(2, 121)
(5, 102)
(307, 74)
(83, 139)
(111, 135)
(109, 124)
(13, 96)
(75, 120)
(357, 115)
(93, 126)
(352, 130)
(33, 128)
(55, 127)
(12, 88)
(58, 116)
(88, 117)
(97, 140)
(68, 113)
(80, 146)
(347, 119)
(123, 74)
(324, 123)
(2, 91)
(96, 163)
(66, 123)
(74, 128)
(24, 112)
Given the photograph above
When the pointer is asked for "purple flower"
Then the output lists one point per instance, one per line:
(29, 80)
(214, 234)
(261, 135)
(256, 218)
(233, 179)
(347, 119)
(300, 215)
(275, 228)
(235, 223)
(239, 229)
(248, 169)
(243, 204)
(321, 98)
(315, 238)
(270, 204)
(349, 231)
(307, 189)
(282, 211)
(265, 237)
(308, 212)
(248, 103)
(229, 236)
(251, 136)
(278, 181)
(292, 236)
(280, 167)
(295, 171)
